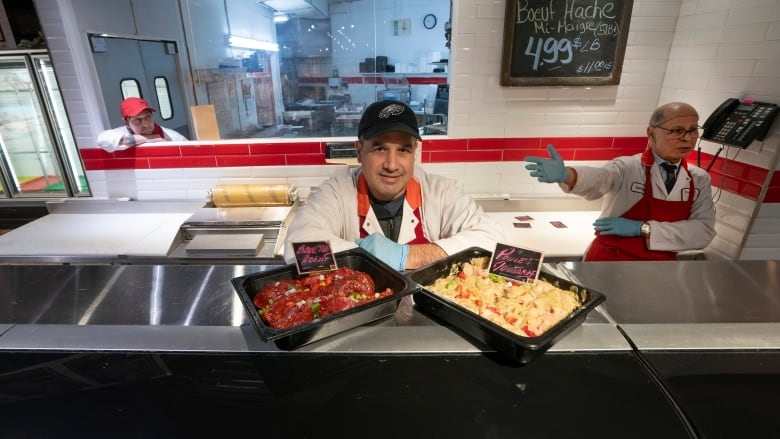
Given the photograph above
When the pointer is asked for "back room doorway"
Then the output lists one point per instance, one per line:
(144, 68)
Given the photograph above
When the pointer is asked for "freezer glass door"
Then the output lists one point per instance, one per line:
(30, 159)
(63, 135)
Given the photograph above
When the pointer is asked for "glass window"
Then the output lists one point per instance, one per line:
(163, 98)
(130, 88)
(312, 74)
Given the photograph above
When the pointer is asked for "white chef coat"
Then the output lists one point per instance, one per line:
(109, 139)
(621, 182)
(451, 219)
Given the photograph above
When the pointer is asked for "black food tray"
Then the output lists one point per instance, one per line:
(357, 259)
(515, 347)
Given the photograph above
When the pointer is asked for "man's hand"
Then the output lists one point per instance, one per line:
(388, 251)
(617, 226)
(550, 170)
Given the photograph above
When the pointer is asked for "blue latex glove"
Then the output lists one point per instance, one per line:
(617, 226)
(387, 250)
(549, 170)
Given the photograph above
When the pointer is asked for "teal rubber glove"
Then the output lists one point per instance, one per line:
(387, 250)
(550, 170)
(618, 226)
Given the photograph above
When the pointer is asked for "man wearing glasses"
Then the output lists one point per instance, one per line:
(655, 204)
(139, 128)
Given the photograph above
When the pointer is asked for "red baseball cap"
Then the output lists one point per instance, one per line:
(132, 107)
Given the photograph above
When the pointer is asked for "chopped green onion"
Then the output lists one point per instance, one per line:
(315, 309)
(496, 278)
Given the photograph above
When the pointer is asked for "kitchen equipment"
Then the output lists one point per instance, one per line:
(397, 88)
(241, 220)
(341, 152)
(357, 259)
(516, 348)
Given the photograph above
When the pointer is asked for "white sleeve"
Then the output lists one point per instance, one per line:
(110, 140)
(454, 220)
(328, 215)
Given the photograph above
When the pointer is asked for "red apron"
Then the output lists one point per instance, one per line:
(623, 248)
(413, 198)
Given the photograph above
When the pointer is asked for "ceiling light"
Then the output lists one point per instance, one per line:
(249, 43)
(280, 17)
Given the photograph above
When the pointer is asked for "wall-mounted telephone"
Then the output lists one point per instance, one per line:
(739, 123)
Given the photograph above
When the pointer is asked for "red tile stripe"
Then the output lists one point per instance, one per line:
(374, 79)
(739, 178)
(773, 191)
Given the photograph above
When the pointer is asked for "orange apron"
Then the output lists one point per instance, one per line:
(623, 248)
(413, 198)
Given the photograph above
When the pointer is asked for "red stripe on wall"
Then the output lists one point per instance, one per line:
(773, 191)
(735, 177)
(739, 178)
(375, 79)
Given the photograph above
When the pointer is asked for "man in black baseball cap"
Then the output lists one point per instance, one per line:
(379, 206)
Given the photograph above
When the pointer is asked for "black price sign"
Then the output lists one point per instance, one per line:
(516, 263)
(312, 257)
(564, 42)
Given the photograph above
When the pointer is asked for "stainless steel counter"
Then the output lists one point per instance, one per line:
(194, 307)
(167, 350)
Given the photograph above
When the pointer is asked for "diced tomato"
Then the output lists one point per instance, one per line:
(462, 275)
(527, 331)
(510, 319)
(493, 308)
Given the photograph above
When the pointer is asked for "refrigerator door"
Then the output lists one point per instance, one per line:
(55, 107)
(33, 131)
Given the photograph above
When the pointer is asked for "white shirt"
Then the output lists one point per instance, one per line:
(451, 219)
(621, 183)
(110, 139)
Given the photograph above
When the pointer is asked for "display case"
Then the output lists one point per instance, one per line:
(38, 154)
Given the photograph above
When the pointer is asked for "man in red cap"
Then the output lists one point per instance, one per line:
(139, 128)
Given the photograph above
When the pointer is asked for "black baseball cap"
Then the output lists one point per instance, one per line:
(383, 116)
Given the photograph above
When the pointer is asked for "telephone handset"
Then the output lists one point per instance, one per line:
(739, 123)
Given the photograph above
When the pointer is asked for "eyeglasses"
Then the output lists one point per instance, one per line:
(679, 133)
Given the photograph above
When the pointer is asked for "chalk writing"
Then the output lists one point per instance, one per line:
(314, 256)
(515, 263)
(565, 39)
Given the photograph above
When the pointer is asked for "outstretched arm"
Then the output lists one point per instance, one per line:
(552, 169)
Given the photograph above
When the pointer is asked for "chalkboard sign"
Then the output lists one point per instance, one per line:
(564, 42)
(516, 263)
(312, 257)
